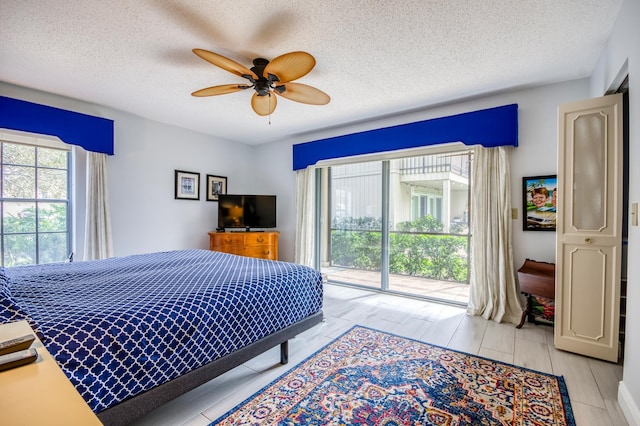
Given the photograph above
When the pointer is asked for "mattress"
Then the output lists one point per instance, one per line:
(121, 326)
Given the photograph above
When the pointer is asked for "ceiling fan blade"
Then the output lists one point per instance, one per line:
(303, 93)
(263, 105)
(225, 63)
(290, 66)
(220, 90)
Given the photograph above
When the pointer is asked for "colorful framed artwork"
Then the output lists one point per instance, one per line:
(539, 195)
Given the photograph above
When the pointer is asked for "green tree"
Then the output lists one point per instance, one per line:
(20, 237)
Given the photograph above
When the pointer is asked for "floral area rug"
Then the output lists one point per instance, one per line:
(369, 377)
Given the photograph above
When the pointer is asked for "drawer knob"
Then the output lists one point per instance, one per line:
(588, 240)
(260, 239)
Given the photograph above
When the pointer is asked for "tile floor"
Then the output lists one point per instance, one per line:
(592, 384)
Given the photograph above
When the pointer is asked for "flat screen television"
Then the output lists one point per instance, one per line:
(246, 211)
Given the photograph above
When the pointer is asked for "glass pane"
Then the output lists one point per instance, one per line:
(19, 182)
(18, 154)
(355, 251)
(53, 248)
(52, 217)
(19, 249)
(52, 184)
(589, 172)
(53, 158)
(18, 217)
(21, 226)
(429, 239)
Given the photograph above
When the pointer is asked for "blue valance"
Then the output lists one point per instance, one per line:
(92, 133)
(488, 127)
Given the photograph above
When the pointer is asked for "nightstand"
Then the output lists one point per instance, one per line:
(39, 393)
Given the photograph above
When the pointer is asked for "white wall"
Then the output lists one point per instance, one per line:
(145, 216)
(535, 155)
(273, 165)
(622, 56)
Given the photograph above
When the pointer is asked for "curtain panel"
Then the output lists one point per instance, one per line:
(305, 217)
(98, 243)
(494, 292)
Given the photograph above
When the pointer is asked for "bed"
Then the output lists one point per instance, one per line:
(134, 332)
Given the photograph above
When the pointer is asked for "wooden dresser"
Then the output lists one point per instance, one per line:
(263, 245)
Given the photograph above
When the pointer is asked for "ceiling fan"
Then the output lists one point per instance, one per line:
(267, 78)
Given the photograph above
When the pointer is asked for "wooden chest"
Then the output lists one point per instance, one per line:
(536, 279)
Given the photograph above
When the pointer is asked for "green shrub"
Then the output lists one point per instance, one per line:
(435, 256)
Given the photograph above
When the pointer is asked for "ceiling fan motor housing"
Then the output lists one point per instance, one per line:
(264, 84)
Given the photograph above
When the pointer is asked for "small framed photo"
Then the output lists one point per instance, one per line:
(539, 195)
(187, 185)
(216, 185)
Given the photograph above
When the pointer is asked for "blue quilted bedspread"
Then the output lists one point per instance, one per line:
(121, 326)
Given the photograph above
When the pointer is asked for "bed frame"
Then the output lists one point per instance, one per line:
(134, 407)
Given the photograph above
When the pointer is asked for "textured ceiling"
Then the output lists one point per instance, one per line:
(374, 58)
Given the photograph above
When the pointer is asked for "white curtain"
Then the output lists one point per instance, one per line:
(494, 292)
(305, 194)
(97, 236)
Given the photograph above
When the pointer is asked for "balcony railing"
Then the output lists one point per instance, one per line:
(435, 164)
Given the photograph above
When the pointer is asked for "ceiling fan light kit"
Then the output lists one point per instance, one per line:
(267, 78)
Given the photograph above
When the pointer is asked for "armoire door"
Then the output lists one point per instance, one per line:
(589, 227)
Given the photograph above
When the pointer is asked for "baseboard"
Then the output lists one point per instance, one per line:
(627, 404)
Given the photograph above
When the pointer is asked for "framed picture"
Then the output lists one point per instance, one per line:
(187, 185)
(216, 185)
(539, 203)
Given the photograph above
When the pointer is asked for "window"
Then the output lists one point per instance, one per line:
(426, 205)
(34, 203)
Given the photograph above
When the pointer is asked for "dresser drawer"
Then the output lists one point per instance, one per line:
(239, 250)
(260, 238)
(261, 252)
(227, 239)
(262, 245)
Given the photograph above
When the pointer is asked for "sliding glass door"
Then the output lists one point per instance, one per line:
(429, 236)
(400, 225)
(355, 234)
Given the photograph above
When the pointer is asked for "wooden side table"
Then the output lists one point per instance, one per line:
(536, 279)
(39, 393)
